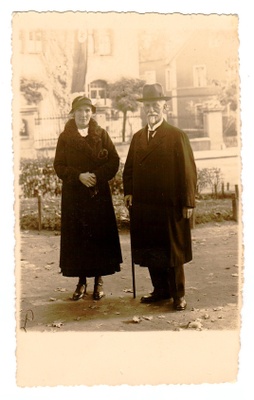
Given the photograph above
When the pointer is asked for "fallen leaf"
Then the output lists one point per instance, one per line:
(57, 324)
(149, 317)
(195, 324)
(128, 290)
(136, 319)
(60, 289)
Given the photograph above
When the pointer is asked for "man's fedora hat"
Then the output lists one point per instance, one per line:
(153, 92)
(81, 101)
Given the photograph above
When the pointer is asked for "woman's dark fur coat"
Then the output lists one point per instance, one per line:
(89, 236)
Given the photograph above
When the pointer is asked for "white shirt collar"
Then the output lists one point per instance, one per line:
(156, 126)
(83, 132)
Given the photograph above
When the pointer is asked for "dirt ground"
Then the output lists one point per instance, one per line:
(213, 280)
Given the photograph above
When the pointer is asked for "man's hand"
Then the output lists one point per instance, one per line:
(88, 179)
(128, 200)
(187, 212)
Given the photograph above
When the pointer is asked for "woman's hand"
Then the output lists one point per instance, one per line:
(88, 179)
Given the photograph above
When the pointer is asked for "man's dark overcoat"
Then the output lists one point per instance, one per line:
(161, 177)
(89, 236)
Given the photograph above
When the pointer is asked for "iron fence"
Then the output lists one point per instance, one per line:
(48, 129)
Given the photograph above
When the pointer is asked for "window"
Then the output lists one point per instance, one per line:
(34, 42)
(23, 131)
(198, 110)
(104, 43)
(100, 42)
(98, 90)
(199, 75)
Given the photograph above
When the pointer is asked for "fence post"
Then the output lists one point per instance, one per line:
(235, 204)
(39, 211)
(222, 190)
(215, 191)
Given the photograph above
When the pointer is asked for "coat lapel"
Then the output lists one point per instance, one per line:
(145, 148)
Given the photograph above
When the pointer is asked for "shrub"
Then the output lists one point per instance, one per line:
(116, 184)
(208, 178)
(38, 177)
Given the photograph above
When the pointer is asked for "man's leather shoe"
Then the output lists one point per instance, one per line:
(153, 297)
(79, 292)
(180, 304)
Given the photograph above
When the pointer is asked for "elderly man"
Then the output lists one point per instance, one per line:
(159, 186)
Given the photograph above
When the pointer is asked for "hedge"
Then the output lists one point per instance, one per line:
(38, 177)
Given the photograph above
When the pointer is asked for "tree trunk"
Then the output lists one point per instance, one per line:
(124, 125)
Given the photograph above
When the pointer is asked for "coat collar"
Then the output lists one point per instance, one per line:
(91, 145)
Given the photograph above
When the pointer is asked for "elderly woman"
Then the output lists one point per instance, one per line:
(86, 160)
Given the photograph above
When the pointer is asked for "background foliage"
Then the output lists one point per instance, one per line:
(39, 177)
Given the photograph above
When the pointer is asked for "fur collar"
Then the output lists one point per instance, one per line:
(91, 145)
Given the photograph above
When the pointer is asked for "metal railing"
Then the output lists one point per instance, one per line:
(48, 129)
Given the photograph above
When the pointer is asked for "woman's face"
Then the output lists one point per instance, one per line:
(82, 116)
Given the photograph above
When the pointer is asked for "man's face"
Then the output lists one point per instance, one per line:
(82, 116)
(154, 111)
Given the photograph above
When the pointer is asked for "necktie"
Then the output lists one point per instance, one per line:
(150, 135)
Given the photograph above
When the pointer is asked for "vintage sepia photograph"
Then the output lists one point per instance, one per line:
(127, 160)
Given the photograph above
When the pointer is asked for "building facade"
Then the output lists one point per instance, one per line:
(197, 70)
(57, 65)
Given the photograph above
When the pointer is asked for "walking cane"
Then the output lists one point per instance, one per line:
(132, 260)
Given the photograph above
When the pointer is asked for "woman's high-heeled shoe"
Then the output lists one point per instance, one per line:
(79, 292)
(98, 288)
